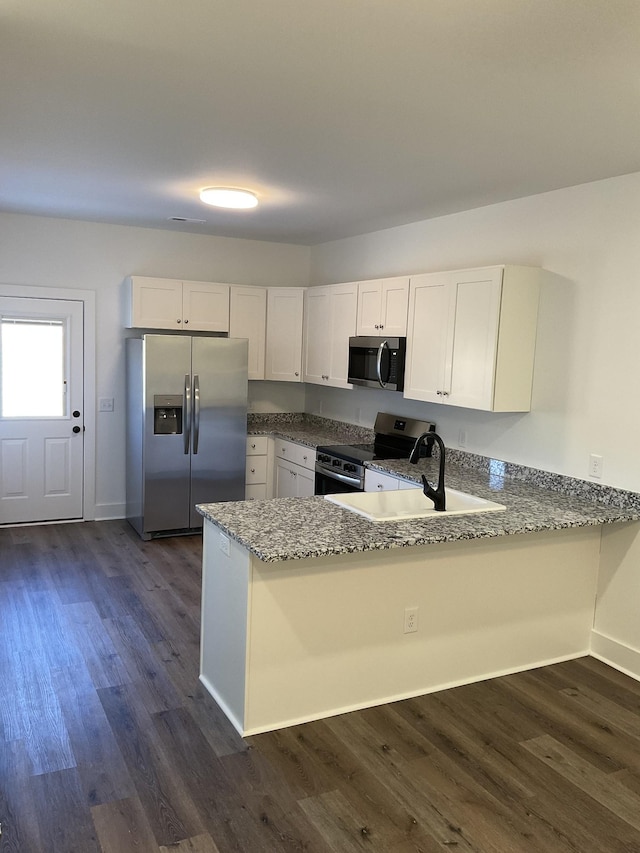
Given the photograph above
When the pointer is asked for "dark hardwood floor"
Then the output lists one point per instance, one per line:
(109, 743)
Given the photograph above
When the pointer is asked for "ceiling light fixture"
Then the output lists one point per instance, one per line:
(228, 197)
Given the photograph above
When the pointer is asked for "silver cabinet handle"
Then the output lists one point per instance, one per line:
(196, 412)
(187, 412)
(379, 363)
(253, 447)
(253, 470)
(185, 322)
(380, 486)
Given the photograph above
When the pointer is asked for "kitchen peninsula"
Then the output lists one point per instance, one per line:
(303, 603)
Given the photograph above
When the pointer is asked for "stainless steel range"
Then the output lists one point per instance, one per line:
(340, 467)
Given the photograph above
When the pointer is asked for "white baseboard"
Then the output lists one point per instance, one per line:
(223, 705)
(616, 654)
(110, 512)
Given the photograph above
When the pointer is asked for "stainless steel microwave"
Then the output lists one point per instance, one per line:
(377, 362)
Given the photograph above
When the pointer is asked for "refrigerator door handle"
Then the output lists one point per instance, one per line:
(187, 413)
(196, 412)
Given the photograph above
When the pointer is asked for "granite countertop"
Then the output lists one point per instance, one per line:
(298, 528)
(310, 430)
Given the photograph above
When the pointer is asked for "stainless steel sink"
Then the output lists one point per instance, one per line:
(410, 503)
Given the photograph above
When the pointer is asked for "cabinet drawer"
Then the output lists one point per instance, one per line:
(405, 484)
(257, 445)
(299, 454)
(375, 481)
(256, 471)
(256, 492)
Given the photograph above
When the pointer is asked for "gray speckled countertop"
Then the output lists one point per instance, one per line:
(310, 430)
(297, 528)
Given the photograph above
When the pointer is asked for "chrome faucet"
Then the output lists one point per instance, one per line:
(436, 495)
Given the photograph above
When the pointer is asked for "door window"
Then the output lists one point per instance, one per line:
(32, 356)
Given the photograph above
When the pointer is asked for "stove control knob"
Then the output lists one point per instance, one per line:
(337, 463)
(322, 457)
(349, 467)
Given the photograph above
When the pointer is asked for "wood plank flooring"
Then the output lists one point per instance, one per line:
(109, 744)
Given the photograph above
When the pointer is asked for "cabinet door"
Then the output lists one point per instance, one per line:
(394, 303)
(156, 303)
(205, 306)
(342, 325)
(369, 304)
(429, 337)
(317, 335)
(473, 353)
(247, 319)
(305, 483)
(286, 481)
(284, 334)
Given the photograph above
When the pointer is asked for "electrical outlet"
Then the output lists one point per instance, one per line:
(595, 465)
(105, 404)
(410, 620)
(462, 438)
(224, 544)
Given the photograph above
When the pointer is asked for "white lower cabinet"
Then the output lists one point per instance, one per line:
(259, 470)
(294, 470)
(376, 481)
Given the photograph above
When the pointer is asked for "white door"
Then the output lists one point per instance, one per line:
(41, 409)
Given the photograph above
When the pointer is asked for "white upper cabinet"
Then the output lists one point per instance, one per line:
(329, 322)
(471, 337)
(247, 319)
(164, 303)
(284, 334)
(382, 307)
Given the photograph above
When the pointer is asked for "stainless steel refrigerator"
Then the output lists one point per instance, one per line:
(186, 428)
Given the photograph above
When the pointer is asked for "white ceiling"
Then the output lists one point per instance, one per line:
(345, 116)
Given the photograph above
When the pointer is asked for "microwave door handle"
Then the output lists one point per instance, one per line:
(196, 412)
(379, 363)
(187, 413)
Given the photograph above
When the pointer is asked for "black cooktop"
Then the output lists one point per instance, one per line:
(365, 452)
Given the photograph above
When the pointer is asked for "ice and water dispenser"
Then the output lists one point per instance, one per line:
(167, 414)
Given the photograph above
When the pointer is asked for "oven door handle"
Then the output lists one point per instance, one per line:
(342, 478)
(379, 363)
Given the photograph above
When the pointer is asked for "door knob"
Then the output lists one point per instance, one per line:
(76, 429)
(76, 413)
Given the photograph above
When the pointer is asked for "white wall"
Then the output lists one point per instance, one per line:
(36, 251)
(586, 391)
